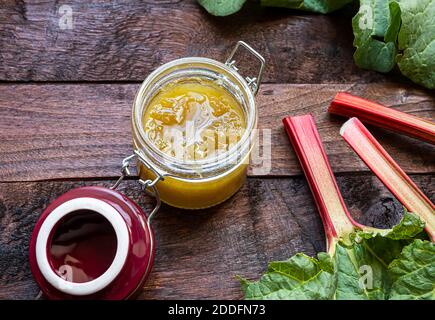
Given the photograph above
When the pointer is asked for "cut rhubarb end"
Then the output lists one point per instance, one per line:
(347, 105)
(389, 172)
(306, 141)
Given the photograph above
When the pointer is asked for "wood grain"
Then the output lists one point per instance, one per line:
(83, 130)
(199, 252)
(73, 132)
(126, 40)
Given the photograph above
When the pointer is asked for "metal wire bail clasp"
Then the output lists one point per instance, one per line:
(253, 83)
(148, 184)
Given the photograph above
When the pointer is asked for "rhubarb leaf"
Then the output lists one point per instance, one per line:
(408, 229)
(388, 244)
(222, 7)
(361, 275)
(320, 6)
(413, 272)
(416, 41)
(382, 264)
(375, 29)
(370, 256)
(300, 277)
(227, 7)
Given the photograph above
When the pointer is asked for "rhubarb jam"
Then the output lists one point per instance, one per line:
(193, 119)
(83, 246)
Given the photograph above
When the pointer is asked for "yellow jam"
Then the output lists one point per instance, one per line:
(194, 120)
(199, 194)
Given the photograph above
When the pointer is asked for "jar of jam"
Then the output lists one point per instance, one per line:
(193, 122)
(193, 126)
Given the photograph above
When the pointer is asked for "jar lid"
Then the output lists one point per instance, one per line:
(91, 242)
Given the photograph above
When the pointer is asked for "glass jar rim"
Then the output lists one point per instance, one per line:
(191, 166)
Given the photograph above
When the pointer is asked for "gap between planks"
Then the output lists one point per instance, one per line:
(135, 177)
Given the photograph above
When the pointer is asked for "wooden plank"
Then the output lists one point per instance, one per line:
(199, 252)
(79, 131)
(126, 40)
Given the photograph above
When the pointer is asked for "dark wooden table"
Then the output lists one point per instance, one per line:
(65, 99)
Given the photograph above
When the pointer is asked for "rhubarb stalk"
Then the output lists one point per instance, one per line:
(306, 141)
(389, 172)
(347, 105)
(397, 262)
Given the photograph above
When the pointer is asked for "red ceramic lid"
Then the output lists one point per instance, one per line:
(133, 250)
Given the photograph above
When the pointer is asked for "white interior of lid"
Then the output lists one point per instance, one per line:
(122, 236)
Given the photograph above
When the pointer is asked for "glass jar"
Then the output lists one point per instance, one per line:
(196, 184)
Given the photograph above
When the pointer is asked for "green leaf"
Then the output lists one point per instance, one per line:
(395, 21)
(389, 243)
(375, 28)
(222, 7)
(369, 256)
(227, 7)
(300, 277)
(416, 58)
(361, 275)
(376, 265)
(320, 6)
(413, 272)
(409, 227)
(397, 31)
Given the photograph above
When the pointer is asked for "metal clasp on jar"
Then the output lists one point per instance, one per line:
(148, 184)
(253, 83)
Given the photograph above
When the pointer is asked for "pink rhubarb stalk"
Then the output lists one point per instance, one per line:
(306, 141)
(389, 172)
(347, 105)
